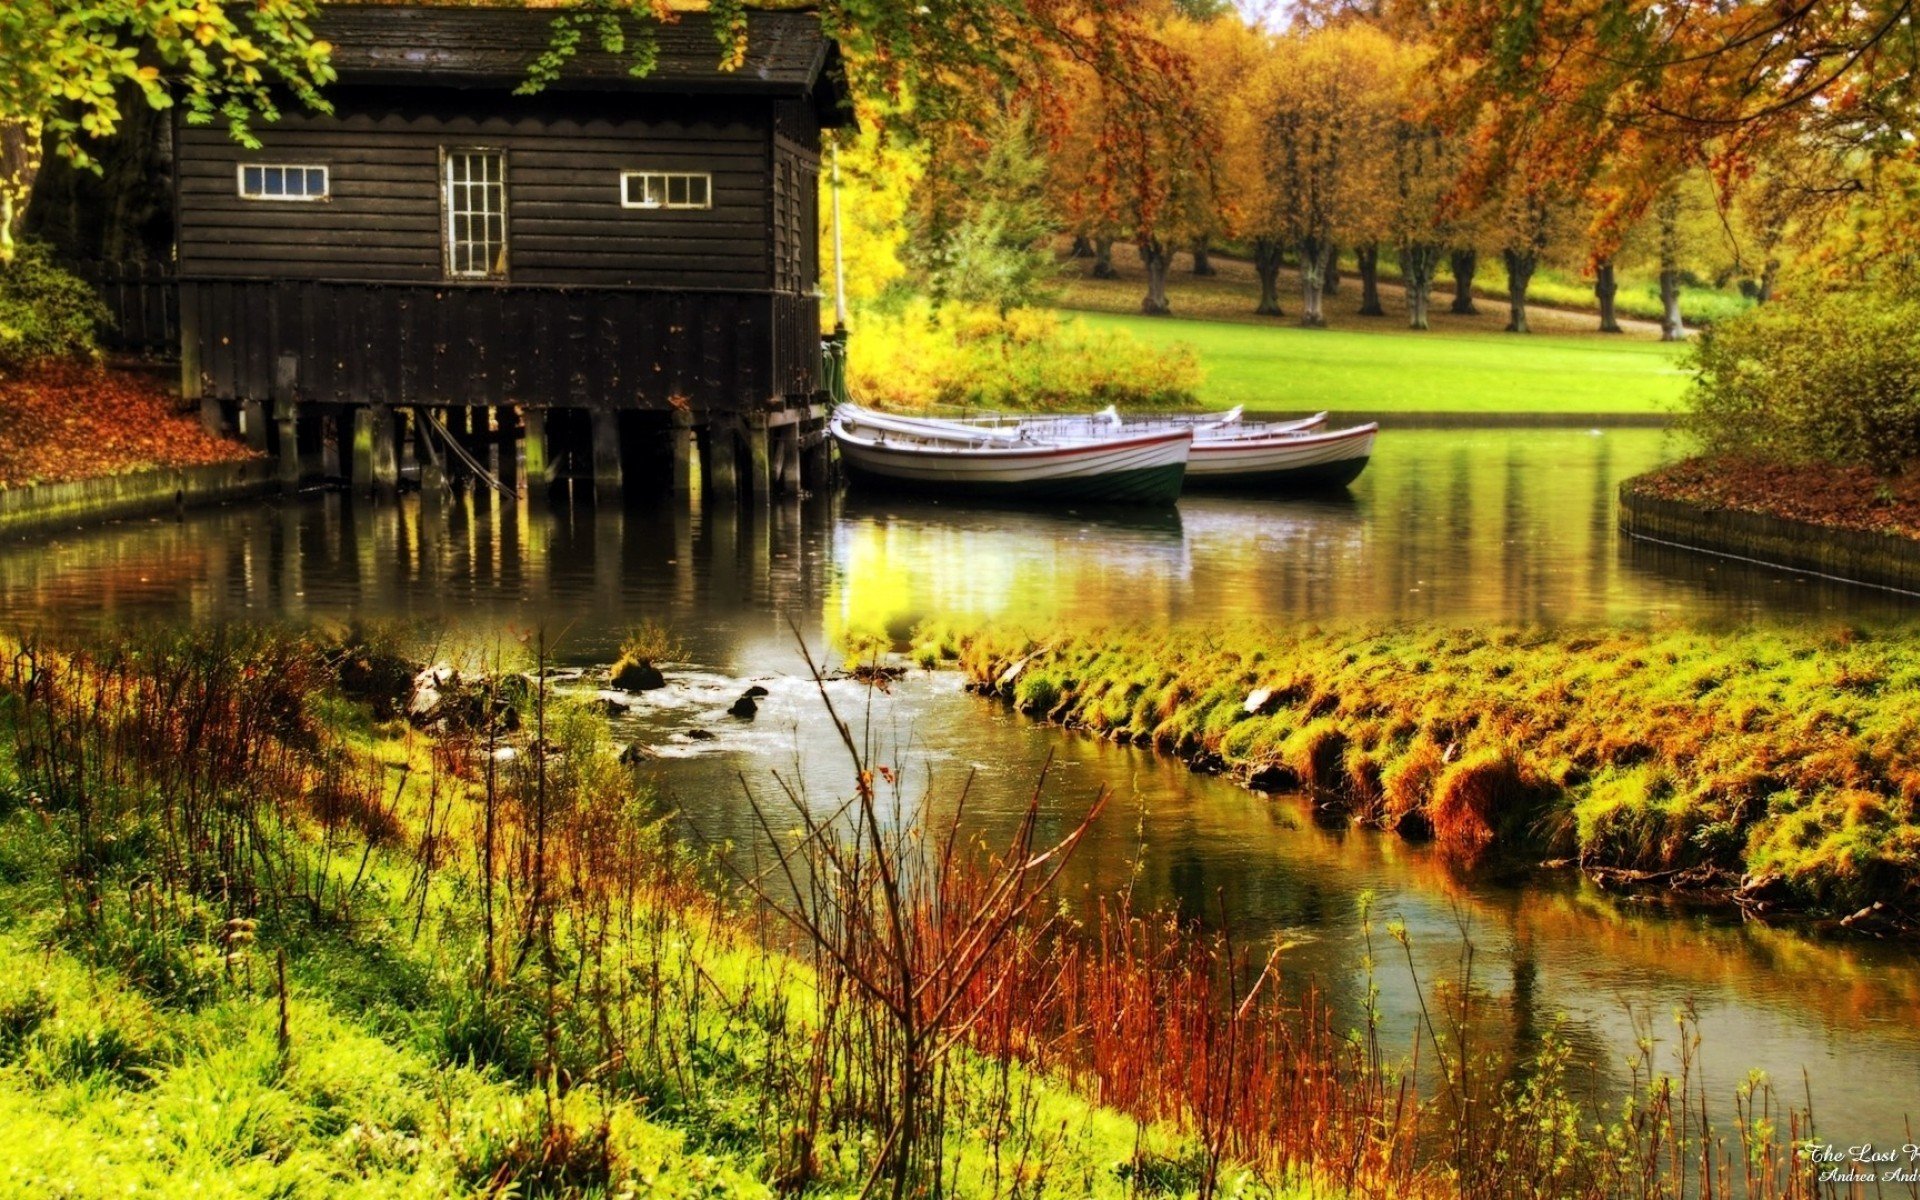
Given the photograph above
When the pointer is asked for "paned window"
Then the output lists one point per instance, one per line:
(665, 189)
(281, 181)
(476, 213)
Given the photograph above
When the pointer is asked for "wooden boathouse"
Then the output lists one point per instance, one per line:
(622, 271)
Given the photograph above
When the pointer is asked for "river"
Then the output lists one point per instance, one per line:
(1459, 527)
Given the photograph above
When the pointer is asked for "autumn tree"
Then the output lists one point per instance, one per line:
(67, 65)
(1324, 107)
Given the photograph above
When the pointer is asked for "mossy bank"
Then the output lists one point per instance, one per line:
(1778, 770)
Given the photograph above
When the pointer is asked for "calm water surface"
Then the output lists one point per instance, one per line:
(1457, 527)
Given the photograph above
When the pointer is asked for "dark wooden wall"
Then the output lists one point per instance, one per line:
(482, 345)
(564, 160)
(346, 301)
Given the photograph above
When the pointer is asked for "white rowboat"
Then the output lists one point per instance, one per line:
(945, 459)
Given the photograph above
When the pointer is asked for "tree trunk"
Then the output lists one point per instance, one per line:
(1368, 257)
(19, 167)
(1103, 259)
(1768, 274)
(1082, 246)
(1267, 253)
(1418, 261)
(1203, 257)
(1668, 211)
(1671, 328)
(1465, 262)
(1331, 276)
(1158, 257)
(1520, 266)
(1314, 253)
(1605, 288)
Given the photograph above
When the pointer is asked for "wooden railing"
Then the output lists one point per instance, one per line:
(143, 302)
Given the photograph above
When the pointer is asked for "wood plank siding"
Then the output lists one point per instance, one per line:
(566, 224)
(353, 298)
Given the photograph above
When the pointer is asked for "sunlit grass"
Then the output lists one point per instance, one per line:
(1388, 369)
(1785, 764)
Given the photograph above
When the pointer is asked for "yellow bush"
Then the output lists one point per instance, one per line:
(924, 357)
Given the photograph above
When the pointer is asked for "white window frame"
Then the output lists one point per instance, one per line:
(664, 181)
(240, 170)
(448, 215)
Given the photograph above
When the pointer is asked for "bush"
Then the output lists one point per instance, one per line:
(45, 312)
(1832, 377)
(1031, 359)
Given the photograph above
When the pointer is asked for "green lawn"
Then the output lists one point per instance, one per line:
(1279, 367)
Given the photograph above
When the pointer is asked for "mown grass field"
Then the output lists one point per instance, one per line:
(1391, 369)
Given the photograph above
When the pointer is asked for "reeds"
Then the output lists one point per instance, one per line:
(211, 796)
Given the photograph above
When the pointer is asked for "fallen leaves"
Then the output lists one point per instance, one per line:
(67, 421)
(1837, 497)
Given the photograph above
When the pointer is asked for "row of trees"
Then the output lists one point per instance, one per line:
(1360, 130)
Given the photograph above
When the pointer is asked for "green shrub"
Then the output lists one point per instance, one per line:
(1030, 359)
(45, 312)
(1830, 377)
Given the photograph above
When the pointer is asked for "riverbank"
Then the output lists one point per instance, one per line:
(1845, 522)
(280, 915)
(81, 444)
(1776, 771)
(259, 931)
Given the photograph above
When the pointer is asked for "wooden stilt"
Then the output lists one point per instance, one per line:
(684, 448)
(334, 436)
(759, 458)
(719, 470)
(253, 424)
(376, 460)
(506, 448)
(606, 452)
(539, 450)
(789, 461)
(287, 444)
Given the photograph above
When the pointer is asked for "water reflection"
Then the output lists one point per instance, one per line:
(1464, 528)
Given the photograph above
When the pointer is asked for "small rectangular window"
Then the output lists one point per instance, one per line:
(665, 189)
(475, 199)
(282, 181)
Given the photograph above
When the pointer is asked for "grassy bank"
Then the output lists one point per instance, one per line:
(262, 936)
(1781, 769)
(1285, 368)
(274, 920)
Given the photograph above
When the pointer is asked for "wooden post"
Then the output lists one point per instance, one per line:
(789, 451)
(507, 450)
(427, 452)
(376, 464)
(253, 424)
(386, 452)
(816, 458)
(287, 448)
(719, 472)
(606, 452)
(759, 460)
(539, 452)
(193, 387)
(334, 435)
(684, 447)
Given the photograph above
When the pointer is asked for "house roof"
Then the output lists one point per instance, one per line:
(787, 53)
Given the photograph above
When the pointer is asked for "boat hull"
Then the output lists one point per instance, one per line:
(1315, 462)
(1142, 471)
